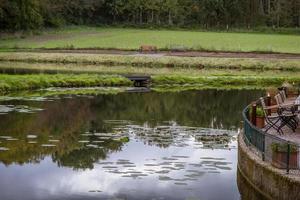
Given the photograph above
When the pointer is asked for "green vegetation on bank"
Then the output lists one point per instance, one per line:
(159, 83)
(53, 68)
(221, 81)
(153, 61)
(29, 82)
(132, 39)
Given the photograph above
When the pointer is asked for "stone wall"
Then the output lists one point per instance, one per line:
(269, 181)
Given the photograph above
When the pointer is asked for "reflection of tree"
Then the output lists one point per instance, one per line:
(66, 119)
(84, 158)
(211, 108)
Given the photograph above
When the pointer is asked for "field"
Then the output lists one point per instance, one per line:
(35, 68)
(132, 39)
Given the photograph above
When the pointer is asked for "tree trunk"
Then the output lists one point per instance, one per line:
(170, 18)
(157, 19)
(152, 16)
(278, 13)
(141, 16)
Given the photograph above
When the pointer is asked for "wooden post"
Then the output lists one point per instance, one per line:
(253, 114)
(268, 103)
(288, 158)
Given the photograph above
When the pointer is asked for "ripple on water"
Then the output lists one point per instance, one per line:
(4, 149)
(105, 163)
(165, 178)
(162, 172)
(12, 139)
(92, 146)
(31, 136)
(5, 109)
(179, 183)
(109, 167)
(129, 166)
(95, 191)
(5, 137)
(55, 141)
(86, 134)
(124, 162)
(48, 145)
(83, 141)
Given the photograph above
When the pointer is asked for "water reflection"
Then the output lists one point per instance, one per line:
(127, 146)
(246, 190)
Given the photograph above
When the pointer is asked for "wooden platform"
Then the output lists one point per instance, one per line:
(288, 135)
(139, 80)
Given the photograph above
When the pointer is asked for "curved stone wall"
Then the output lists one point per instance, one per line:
(272, 183)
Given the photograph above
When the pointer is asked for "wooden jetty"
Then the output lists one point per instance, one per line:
(139, 80)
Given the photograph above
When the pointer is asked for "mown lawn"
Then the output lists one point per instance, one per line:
(125, 38)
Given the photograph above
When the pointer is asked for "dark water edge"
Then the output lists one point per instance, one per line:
(122, 146)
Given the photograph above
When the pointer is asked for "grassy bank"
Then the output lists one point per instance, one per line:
(159, 82)
(153, 61)
(29, 82)
(53, 68)
(221, 81)
(132, 39)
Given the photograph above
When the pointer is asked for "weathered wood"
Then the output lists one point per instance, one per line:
(139, 81)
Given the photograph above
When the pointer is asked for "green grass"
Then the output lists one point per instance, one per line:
(10, 83)
(126, 38)
(163, 78)
(29, 82)
(221, 81)
(53, 68)
(153, 62)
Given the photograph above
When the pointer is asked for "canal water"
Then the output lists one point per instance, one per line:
(151, 145)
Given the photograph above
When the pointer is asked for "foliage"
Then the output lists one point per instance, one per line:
(31, 14)
(259, 112)
(277, 147)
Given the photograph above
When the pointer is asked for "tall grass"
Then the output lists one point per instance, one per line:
(154, 62)
(221, 81)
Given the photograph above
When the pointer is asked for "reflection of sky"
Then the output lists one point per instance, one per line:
(47, 181)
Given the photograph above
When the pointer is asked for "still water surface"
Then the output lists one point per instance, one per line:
(122, 146)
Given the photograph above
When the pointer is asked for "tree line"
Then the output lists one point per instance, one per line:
(35, 14)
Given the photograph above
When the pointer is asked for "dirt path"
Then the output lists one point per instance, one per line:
(169, 53)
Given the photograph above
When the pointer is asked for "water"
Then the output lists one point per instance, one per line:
(122, 146)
